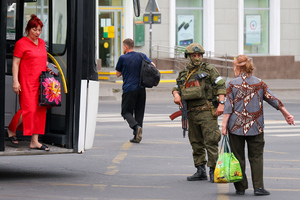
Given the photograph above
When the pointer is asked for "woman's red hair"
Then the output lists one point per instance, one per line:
(34, 22)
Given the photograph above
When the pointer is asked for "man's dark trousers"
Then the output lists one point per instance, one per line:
(133, 107)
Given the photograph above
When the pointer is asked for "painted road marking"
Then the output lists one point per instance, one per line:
(222, 190)
(283, 135)
(113, 168)
(113, 117)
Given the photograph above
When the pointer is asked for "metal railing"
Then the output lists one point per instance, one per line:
(222, 61)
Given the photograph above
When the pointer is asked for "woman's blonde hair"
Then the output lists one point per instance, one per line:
(244, 64)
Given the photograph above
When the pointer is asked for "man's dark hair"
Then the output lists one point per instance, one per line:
(129, 42)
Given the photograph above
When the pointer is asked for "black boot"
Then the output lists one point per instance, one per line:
(133, 140)
(261, 191)
(211, 174)
(137, 134)
(199, 175)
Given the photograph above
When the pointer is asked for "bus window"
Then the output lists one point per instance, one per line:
(40, 9)
(59, 33)
(11, 21)
(10, 34)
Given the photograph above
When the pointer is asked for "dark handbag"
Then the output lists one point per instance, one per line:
(50, 90)
(149, 75)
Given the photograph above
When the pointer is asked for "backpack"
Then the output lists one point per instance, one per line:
(149, 76)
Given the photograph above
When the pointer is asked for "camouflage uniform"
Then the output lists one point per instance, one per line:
(203, 129)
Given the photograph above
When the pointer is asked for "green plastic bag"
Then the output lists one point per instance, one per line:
(228, 168)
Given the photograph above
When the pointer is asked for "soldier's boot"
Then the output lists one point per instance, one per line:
(199, 175)
(211, 174)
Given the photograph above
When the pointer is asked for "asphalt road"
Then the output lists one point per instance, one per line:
(156, 169)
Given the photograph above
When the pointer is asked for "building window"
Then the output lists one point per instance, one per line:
(110, 2)
(256, 26)
(189, 22)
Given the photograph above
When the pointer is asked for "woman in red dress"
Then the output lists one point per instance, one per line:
(29, 60)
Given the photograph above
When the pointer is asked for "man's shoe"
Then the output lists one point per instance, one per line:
(240, 192)
(261, 191)
(133, 140)
(211, 174)
(138, 133)
(199, 175)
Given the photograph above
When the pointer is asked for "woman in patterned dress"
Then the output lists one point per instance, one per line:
(244, 120)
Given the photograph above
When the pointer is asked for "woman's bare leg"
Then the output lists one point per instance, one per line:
(11, 133)
(34, 143)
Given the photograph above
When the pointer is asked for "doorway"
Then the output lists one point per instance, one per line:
(110, 37)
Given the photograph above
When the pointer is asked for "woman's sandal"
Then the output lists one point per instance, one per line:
(43, 147)
(13, 140)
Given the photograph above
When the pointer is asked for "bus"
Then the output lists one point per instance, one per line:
(69, 33)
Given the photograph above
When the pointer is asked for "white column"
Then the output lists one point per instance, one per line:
(128, 19)
(97, 31)
(241, 27)
(209, 25)
(274, 27)
(172, 27)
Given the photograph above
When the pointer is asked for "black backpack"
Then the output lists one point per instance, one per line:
(149, 76)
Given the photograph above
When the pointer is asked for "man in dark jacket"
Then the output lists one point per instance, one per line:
(134, 95)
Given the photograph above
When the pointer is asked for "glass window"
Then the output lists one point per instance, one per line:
(256, 26)
(110, 2)
(40, 9)
(59, 29)
(189, 3)
(11, 21)
(189, 22)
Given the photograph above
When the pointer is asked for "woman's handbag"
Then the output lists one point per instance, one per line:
(228, 169)
(50, 90)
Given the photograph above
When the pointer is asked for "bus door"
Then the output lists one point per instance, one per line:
(70, 127)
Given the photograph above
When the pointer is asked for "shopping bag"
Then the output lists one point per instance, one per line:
(235, 170)
(228, 169)
(50, 90)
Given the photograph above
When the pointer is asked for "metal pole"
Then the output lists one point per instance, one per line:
(150, 30)
(226, 65)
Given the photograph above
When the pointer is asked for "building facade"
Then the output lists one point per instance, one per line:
(266, 30)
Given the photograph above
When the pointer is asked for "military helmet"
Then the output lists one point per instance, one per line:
(193, 48)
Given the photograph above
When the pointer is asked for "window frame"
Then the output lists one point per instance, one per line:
(192, 9)
(274, 27)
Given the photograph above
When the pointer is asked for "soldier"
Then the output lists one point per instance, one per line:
(204, 91)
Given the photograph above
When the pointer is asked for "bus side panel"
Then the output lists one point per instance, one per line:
(3, 16)
(92, 110)
(82, 116)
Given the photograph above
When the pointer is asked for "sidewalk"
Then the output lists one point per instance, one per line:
(287, 90)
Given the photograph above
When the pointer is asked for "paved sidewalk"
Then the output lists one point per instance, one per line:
(287, 90)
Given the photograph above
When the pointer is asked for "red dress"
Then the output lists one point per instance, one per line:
(33, 62)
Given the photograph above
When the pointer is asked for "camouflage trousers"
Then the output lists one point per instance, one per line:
(204, 135)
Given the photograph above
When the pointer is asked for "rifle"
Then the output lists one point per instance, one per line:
(183, 112)
(179, 112)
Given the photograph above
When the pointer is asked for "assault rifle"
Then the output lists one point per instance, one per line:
(183, 111)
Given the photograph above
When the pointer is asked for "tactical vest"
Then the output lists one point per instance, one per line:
(197, 84)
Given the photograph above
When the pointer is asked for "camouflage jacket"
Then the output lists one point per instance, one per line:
(206, 77)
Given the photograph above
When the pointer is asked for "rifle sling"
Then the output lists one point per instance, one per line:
(188, 77)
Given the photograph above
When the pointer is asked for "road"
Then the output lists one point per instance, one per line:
(156, 169)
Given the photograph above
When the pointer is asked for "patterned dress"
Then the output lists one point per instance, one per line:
(244, 101)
